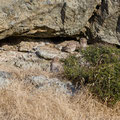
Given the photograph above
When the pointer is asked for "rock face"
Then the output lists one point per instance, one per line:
(51, 18)
(44, 18)
(35, 61)
(105, 24)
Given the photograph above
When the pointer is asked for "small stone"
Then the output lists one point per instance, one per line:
(59, 47)
(70, 47)
(4, 78)
(56, 65)
(49, 53)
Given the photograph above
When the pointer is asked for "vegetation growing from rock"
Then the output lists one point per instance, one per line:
(102, 76)
(101, 54)
(73, 70)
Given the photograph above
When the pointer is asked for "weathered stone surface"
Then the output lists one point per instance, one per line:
(44, 18)
(106, 23)
(48, 18)
(56, 66)
(23, 60)
(50, 53)
(4, 78)
(43, 82)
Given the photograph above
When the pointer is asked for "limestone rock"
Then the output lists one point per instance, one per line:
(105, 25)
(44, 18)
(23, 60)
(44, 82)
(51, 18)
(50, 53)
(31, 61)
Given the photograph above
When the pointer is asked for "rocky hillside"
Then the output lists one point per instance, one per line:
(35, 38)
(95, 19)
(35, 35)
(36, 61)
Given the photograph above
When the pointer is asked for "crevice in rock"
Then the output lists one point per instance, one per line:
(92, 39)
(118, 25)
(98, 7)
(104, 7)
(10, 41)
(95, 18)
(14, 40)
(14, 43)
(63, 13)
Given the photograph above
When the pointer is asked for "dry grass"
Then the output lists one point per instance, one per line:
(21, 102)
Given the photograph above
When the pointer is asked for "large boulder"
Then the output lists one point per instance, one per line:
(44, 18)
(105, 23)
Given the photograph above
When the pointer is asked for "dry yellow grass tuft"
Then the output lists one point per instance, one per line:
(22, 102)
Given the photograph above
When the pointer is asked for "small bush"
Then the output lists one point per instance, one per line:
(101, 54)
(73, 70)
(105, 81)
(103, 74)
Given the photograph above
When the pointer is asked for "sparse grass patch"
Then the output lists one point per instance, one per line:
(21, 102)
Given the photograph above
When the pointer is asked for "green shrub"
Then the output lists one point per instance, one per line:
(103, 74)
(105, 81)
(73, 70)
(101, 54)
